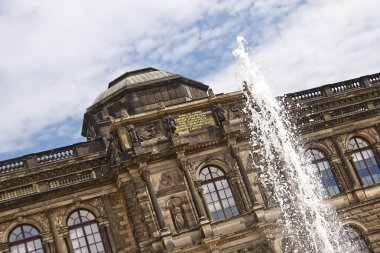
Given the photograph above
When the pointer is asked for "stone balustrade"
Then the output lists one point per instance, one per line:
(55, 155)
(374, 79)
(334, 89)
(345, 86)
(50, 156)
(11, 165)
(309, 94)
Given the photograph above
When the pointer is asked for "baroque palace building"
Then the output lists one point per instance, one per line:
(167, 168)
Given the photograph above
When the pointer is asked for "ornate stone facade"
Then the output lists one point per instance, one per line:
(159, 145)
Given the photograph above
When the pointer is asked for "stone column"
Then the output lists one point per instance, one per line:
(153, 197)
(234, 182)
(202, 197)
(193, 192)
(340, 177)
(69, 244)
(106, 241)
(234, 149)
(114, 235)
(57, 240)
(135, 216)
(46, 247)
(349, 168)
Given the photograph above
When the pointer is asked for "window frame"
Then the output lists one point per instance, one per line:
(83, 225)
(25, 240)
(325, 158)
(219, 200)
(359, 151)
(359, 235)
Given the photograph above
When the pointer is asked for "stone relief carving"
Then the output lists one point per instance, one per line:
(373, 133)
(3, 226)
(230, 161)
(148, 132)
(236, 110)
(166, 179)
(42, 220)
(59, 214)
(190, 166)
(330, 145)
(99, 205)
(178, 214)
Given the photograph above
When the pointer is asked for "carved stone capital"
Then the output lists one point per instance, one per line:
(145, 174)
(49, 212)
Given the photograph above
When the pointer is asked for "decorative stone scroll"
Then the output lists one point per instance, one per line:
(194, 120)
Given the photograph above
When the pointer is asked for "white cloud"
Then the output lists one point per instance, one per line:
(56, 57)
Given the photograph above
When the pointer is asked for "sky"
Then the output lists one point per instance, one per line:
(57, 56)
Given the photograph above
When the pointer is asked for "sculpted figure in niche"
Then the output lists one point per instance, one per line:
(114, 154)
(219, 112)
(178, 214)
(178, 218)
(170, 124)
(132, 133)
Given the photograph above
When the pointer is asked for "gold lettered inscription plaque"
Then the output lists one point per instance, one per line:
(194, 120)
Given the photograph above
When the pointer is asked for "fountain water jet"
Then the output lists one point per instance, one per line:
(309, 222)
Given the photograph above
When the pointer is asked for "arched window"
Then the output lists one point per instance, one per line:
(25, 238)
(217, 193)
(356, 239)
(364, 161)
(320, 161)
(84, 232)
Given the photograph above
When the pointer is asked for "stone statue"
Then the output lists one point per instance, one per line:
(132, 133)
(210, 93)
(178, 218)
(170, 124)
(124, 113)
(219, 112)
(114, 154)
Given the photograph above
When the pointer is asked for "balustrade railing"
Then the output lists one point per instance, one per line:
(54, 155)
(349, 110)
(311, 119)
(11, 165)
(345, 86)
(374, 79)
(309, 94)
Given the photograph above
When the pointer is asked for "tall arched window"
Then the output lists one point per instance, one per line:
(217, 193)
(353, 235)
(84, 232)
(25, 238)
(364, 161)
(320, 161)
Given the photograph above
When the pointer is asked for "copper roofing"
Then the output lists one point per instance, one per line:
(132, 79)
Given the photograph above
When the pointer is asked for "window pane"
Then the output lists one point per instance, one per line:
(97, 237)
(94, 228)
(21, 248)
(30, 245)
(14, 249)
(75, 243)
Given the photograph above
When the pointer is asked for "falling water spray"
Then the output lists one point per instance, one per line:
(308, 222)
